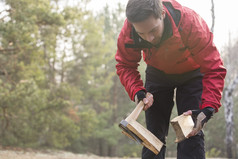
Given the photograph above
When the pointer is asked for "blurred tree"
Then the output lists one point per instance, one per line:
(229, 93)
(213, 15)
(96, 77)
(35, 105)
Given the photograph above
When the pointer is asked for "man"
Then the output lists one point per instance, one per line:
(181, 59)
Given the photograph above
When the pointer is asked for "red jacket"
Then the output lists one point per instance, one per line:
(190, 47)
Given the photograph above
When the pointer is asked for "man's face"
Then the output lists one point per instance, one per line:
(151, 29)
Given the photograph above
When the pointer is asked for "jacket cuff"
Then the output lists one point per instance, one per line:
(135, 91)
(204, 105)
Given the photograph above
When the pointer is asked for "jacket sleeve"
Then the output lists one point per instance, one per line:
(199, 41)
(128, 61)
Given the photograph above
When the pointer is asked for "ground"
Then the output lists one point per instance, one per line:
(46, 154)
(49, 154)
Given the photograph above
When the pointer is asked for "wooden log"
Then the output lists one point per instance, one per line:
(137, 132)
(149, 140)
(182, 126)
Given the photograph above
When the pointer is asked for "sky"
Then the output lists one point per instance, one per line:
(225, 12)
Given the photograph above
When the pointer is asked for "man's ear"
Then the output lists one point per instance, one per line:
(163, 14)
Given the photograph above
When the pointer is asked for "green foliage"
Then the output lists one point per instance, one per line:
(213, 153)
(35, 118)
(131, 150)
(34, 112)
(88, 122)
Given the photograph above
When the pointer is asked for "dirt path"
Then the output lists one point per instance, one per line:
(33, 154)
(23, 154)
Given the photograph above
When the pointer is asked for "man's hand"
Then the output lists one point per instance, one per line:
(201, 117)
(147, 98)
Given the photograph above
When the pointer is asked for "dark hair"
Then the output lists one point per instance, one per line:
(139, 10)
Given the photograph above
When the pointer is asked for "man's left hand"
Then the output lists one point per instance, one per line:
(201, 117)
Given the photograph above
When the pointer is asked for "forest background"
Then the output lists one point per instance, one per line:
(59, 88)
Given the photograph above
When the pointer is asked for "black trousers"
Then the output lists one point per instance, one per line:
(188, 88)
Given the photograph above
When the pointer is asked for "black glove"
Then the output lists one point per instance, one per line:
(140, 95)
(201, 117)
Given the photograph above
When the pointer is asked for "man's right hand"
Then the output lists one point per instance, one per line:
(147, 98)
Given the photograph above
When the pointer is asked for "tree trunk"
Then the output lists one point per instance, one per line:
(213, 16)
(101, 145)
(228, 104)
